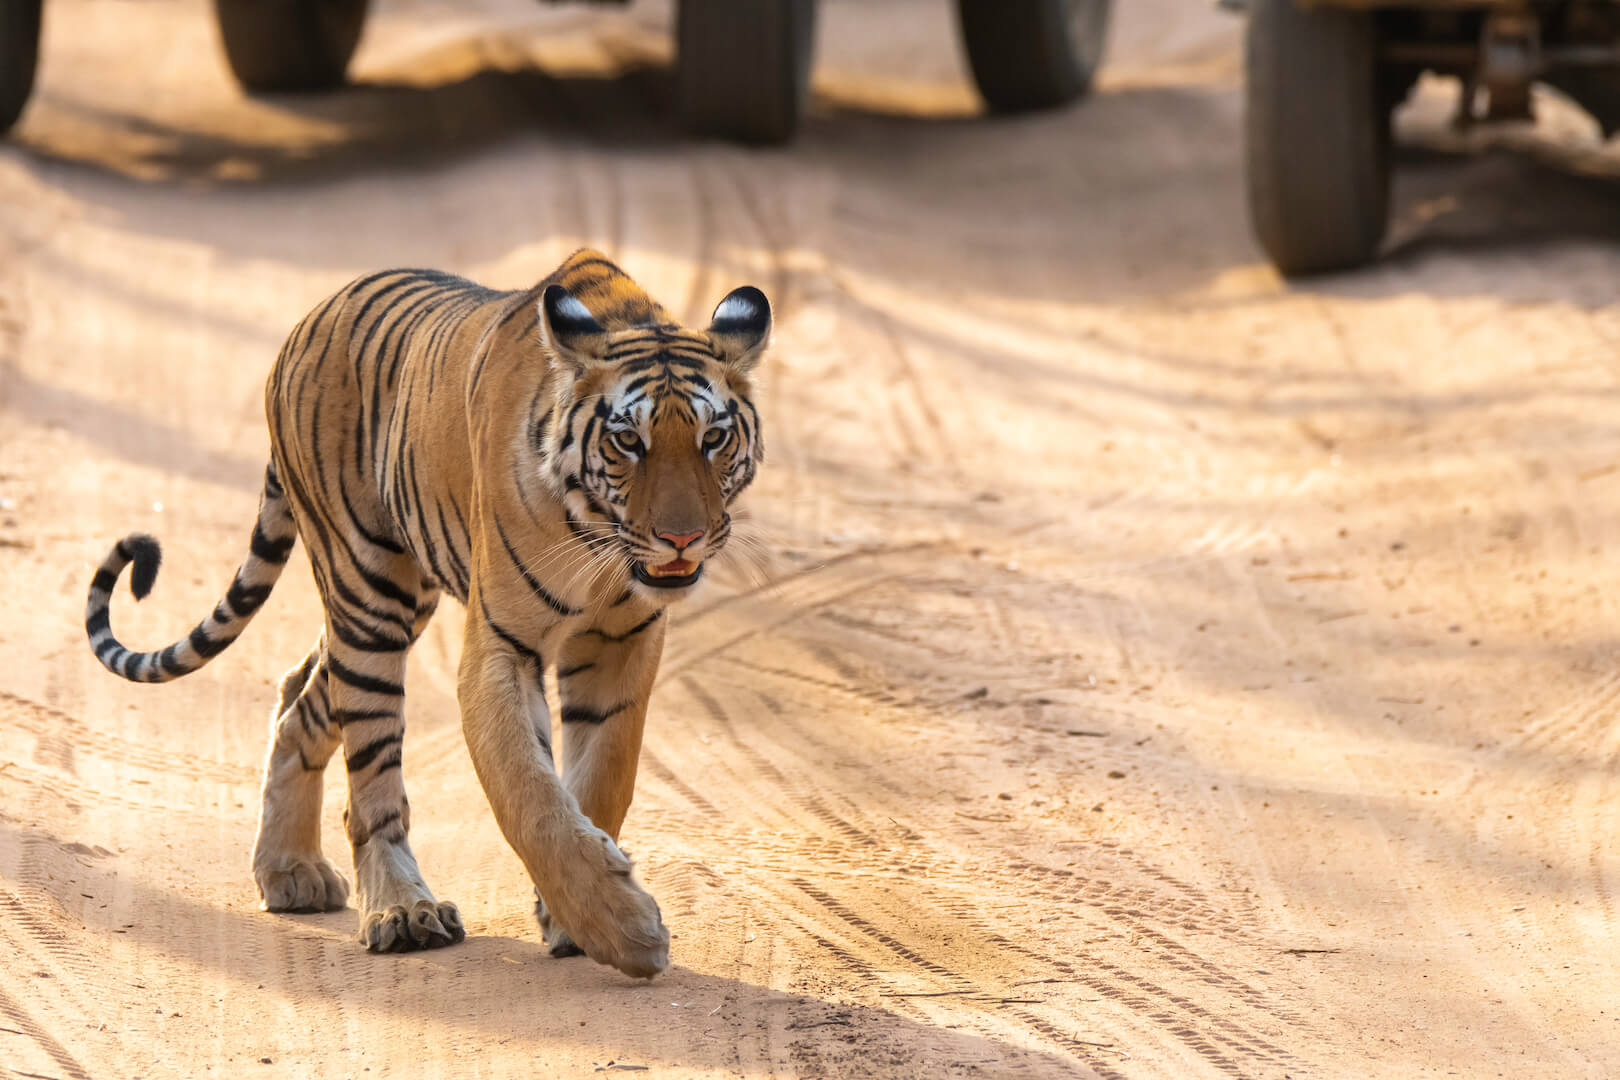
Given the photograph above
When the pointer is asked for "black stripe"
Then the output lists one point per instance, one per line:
(361, 681)
(341, 717)
(97, 622)
(345, 631)
(539, 590)
(563, 673)
(205, 646)
(104, 580)
(570, 280)
(630, 633)
(268, 550)
(332, 582)
(384, 585)
(169, 662)
(384, 542)
(390, 818)
(245, 599)
(517, 646)
(584, 714)
(369, 752)
(458, 568)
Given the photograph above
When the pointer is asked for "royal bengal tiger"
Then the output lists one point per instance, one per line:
(562, 460)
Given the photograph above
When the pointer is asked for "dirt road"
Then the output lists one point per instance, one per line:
(1156, 671)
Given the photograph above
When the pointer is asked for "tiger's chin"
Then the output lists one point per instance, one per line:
(676, 574)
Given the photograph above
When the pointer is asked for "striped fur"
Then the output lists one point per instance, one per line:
(562, 460)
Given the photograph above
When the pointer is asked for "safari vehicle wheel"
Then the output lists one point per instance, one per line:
(1033, 54)
(1316, 129)
(290, 44)
(743, 67)
(19, 52)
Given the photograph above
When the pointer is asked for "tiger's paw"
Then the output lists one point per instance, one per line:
(302, 884)
(427, 924)
(604, 913)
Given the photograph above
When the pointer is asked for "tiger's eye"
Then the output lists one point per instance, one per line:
(715, 438)
(628, 441)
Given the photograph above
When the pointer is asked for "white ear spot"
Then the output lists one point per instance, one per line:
(570, 308)
(736, 308)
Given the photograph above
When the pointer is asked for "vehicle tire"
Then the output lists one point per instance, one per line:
(19, 54)
(1316, 132)
(290, 44)
(1033, 54)
(743, 67)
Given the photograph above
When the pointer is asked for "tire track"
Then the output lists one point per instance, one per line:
(845, 689)
(44, 1039)
(894, 346)
(681, 663)
(73, 796)
(1576, 722)
(807, 800)
(666, 776)
(1150, 1000)
(46, 721)
(1219, 1040)
(965, 991)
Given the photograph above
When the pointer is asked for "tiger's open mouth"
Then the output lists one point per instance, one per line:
(675, 574)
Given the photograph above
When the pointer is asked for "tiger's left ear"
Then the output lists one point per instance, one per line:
(741, 328)
(569, 331)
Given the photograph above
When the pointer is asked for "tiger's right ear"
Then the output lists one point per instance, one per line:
(569, 331)
(741, 328)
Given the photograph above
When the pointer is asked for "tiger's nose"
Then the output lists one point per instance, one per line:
(682, 541)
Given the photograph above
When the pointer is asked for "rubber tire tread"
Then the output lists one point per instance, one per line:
(19, 56)
(290, 45)
(1316, 136)
(1021, 55)
(743, 67)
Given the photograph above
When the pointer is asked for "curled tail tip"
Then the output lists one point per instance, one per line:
(147, 555)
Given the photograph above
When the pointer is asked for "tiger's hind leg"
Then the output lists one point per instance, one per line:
(288, 866)
(367, 645)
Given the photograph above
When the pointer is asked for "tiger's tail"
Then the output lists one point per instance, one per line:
(273, 537)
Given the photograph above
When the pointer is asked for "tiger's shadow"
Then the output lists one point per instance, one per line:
(470, 988)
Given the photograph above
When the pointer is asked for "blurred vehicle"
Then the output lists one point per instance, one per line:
(742, 71)
(1323, 78)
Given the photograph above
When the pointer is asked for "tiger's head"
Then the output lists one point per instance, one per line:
(656, 435)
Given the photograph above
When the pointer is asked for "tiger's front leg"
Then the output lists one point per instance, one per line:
(577, 868)
(605, 676)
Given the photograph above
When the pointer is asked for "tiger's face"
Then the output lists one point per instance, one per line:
(658, 436)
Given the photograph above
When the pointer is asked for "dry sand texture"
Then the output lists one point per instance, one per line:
(1162, 672)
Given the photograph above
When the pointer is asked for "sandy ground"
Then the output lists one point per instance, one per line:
(1157, 670)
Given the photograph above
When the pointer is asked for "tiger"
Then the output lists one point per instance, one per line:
(563, 461)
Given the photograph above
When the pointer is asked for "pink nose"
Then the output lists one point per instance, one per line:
(682, 541)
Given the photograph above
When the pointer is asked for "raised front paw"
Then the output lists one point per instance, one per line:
(301, 884)
(427, 924)
(599, 908)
